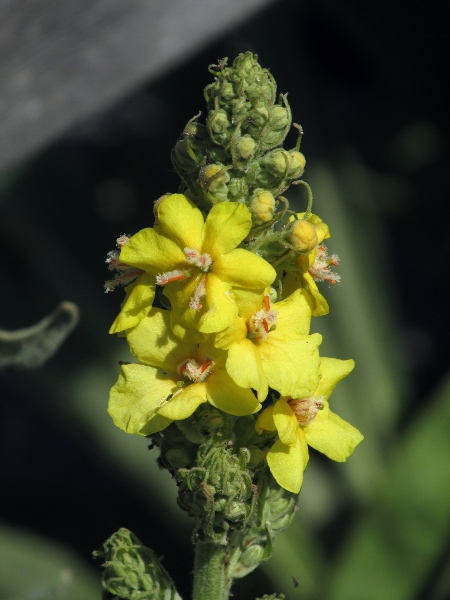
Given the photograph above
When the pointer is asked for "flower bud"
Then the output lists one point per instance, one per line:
(262, 205)
(212, 177)
(219, 125)
(279, 117)
(181, 157)
(297, 165)
(303, 236)
(277, 162)
(246, 147)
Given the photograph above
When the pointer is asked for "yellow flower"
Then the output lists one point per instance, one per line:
(198, 263)
(271, 347)
(172, 380)
(311, 267)
(307, 421)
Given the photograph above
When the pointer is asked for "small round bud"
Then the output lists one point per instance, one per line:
(246, 147)
(279, 117)
(303, 236)
(227, 92)
(297, 166)
(262, 206)
(212, 177)
(219, 125)
(277, 162)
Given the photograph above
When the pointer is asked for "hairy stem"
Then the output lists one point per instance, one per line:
(211, 580)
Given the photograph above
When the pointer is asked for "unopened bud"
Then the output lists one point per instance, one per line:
(219, 124)
(279, 117)
(277, 162)
(246, 147)
(212, 177)
(303, 236)
(262, 206)
(297, 165)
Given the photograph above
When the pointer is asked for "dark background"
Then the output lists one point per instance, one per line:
(368, 83)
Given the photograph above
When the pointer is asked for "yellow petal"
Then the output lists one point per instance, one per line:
(332, 436)
(182, 221)
(294, 316)
(136, 397)
(332, 370)
(137, 303)
(287, 463)
(234, 334)
(153, 342)
(291, 366)
(317, 302)
(244, 269)
(184, 403)
(248, 301)
(186, 334)
(154, 252)
(245, 367)
(218, 308)
(227, 224)
(224, 394)
(285, 421)
(265, 421)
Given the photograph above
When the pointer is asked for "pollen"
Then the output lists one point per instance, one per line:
(195, 371)
(306, 409)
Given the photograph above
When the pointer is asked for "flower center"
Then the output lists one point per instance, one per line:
(320, 269)
(262, 322)
(305, 409)
(203, 262)
(195, 371)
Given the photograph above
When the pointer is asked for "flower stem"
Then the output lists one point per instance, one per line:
(211, 581)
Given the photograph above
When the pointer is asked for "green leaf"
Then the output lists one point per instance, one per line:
(396, 545)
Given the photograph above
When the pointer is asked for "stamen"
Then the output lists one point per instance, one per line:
(305, 409)
(320, 269)
(263, 321)
(199, 293)
(125, 274)
(194, 371)
(202, 261)
(171, 276)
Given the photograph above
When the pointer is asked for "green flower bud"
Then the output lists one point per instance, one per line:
(279, 117)
(181, 158)
(277, 162)
(219, 125)
(227, 92)
(246, 147)
(130, 570)
(252, 557)
(297, 165)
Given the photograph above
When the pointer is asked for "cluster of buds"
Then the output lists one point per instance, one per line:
(236, 155)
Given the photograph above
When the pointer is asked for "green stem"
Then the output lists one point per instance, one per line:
(211, 580)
